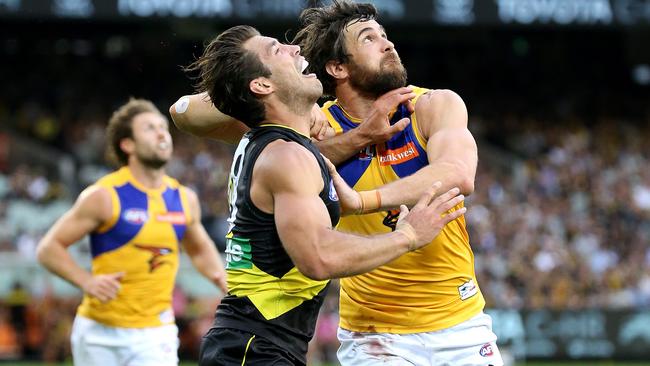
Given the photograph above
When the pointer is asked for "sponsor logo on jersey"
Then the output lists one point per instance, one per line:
(486, 350)
(399, 155)
(167, 316)
(174, 218)
(157, 254)
(390, 219)
(467, 290)
(135, 216)
(238, 253)
(333, 195)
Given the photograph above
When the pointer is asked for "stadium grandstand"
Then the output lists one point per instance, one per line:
(558, 94)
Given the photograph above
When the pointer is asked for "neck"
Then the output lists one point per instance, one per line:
(148, 177)
(353, 102)
(297, 118)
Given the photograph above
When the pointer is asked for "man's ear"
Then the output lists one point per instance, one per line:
(261, 86)
(337, 70)
(127, 145)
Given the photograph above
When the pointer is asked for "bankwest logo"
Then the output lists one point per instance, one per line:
(174, 218)
(398, 156)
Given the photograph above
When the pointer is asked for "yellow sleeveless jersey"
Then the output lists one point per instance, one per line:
(142, 240)
(430, 289)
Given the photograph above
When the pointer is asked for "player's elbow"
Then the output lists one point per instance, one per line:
(315, 268)
(463, 177)
(314, 271)
(466, 185)
(43, 252)
(177, 112)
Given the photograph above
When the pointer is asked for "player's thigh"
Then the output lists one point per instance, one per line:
(155, 347)
(366, 349)
(86, 351)
(226, 347)
(471, 343)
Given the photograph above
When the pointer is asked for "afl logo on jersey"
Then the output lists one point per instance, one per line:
(135, 216)
(333, 195)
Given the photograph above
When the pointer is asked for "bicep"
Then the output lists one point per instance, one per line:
(452, 144)
(301, 220)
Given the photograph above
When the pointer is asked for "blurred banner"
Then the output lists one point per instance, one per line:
(441, 12)
(588, 334)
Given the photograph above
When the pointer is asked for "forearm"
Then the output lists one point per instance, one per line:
(343, 146)
(58, 260)
(408, 190)
(208, 262)
(344, 254)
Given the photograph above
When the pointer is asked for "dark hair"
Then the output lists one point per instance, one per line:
(321, 36)
(120, 126)
(226, 69)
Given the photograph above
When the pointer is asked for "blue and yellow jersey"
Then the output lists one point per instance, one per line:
(430, 289)
(142, 239)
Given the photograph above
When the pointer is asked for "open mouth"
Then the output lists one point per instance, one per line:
(303, 69)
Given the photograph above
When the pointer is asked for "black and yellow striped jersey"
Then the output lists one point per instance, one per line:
(268, 296)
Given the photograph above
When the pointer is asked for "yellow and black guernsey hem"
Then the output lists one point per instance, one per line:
(268, 296)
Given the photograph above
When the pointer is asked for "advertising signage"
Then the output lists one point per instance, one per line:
(587, 334)
(597, 13)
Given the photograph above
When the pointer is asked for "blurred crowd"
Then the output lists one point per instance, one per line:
(568, 226)
(559, 220)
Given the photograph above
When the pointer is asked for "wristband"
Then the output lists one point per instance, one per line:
(370, 201)
(408, 231)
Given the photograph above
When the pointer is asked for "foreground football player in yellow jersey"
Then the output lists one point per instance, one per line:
(281, 246)
(424, 308)
(137, 218)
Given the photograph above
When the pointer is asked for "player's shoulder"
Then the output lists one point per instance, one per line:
(284, 159)
(435, 100)
(282, 155)
(95, 201)
(113, 179)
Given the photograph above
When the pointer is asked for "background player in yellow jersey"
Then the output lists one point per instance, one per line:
(281, 246)
(137, 218)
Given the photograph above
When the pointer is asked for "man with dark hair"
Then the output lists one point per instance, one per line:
(281, 245)
(425, 308)
(136, 217)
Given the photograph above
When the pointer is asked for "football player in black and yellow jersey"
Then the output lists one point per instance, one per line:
(138, 219)
(282, 247)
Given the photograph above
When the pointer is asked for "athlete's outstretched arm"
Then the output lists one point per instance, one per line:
(375, 129)
(451, 150)
(197, 115)
(201, 249)
(305, 229)
(92, 209)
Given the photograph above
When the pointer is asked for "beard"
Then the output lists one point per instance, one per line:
(151, 161)
(374, 83)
